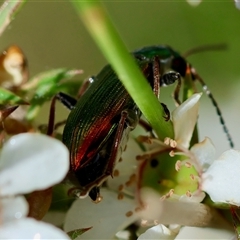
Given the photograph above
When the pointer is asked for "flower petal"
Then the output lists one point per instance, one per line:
(221, 181)
(173, 212)
(30, 162)
(29, 228)
(157, 232)
(184, 119)
(237, 4)
(13, 208)
(205, 153)
(194, 3)
(106, 218)
(220, 231)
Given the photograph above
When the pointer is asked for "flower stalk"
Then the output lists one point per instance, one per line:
(103, 32)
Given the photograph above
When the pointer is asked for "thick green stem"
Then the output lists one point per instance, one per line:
(103, 32)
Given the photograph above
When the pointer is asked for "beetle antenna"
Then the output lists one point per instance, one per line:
(205, 48)
(51, 119)
(208, 92)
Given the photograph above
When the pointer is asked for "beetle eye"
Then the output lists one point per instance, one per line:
(169, 78)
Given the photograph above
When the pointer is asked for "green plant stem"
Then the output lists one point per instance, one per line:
(103, 32)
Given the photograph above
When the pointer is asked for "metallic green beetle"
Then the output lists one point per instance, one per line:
(99, 123)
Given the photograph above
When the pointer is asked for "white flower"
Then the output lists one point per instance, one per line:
(29, 162)
(158, 232)
(194, 3)
(222, 231)
(218, 177)
(119, 207)
(221, 179)
(237, 4)
(168, 191)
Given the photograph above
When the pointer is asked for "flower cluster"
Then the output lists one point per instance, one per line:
(166, 185)
(27, 163)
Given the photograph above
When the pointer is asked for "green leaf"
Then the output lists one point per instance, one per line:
(77, 232)
(48, 84)
(7, 12)
(9, 98)
(61, 201)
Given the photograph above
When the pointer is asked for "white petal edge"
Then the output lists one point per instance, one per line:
(31, 162)
(157, 232)
(13, 208)
(29, 228)
(205, 153)
(106, 218)
(237, 4)
(184, 119)
(194, 3)
(219, 232)
(221, 181)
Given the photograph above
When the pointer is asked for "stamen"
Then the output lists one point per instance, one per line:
(167, 195)
(129, 214)
(138, 209)
(163, 198)
(120, 196)
(128, 183)
(156, 222)
(143, 157)
(120, 188)
(167, 141)
(170, 142)
(133, 177)
(173, 143)
(116, 173)
(178, 165)
(172, 153)
(192, 177)
(188, 194)
(144, 223)
(171, 192)
(196, 178)
(188, 164)
(144, 139)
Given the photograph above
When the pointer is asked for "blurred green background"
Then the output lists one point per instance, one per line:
(51, 35)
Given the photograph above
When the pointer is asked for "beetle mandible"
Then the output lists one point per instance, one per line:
(99, 123)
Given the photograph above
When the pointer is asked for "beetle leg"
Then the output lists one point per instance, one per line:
(177, 90)
(156, 76)
(167, 112)
(67, 101)
(85, 85)
(127, 122)
(94, 194)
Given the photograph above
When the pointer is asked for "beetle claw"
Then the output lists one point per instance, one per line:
(94, 194)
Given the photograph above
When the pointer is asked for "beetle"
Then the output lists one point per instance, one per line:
(99, 123)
